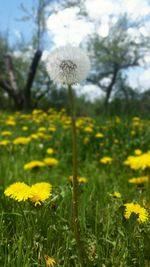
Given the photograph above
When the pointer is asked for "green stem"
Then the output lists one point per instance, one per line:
(23, 215)
(148, 186)
(76, 223)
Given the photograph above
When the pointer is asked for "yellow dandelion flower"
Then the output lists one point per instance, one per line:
(4, 142)
(81, 179)
(101, 144)
(6, 133)
(50, 151)
(33, 165)
(21, 140)
(117, 119)
(67, 123)
(52, 129)
(99, 135)
(138, 180)
(131, 208)
(10, 123)
(139, 162)
(146, 204)
(79, 123)
(24, 128)
(37, 111)
(106, 160)
(51, 162)
(136, 123)
(115, 194)
(88, 129)
(116, 141)
(86, 140)
(34, 136)
(133, 132)
(50, 262)
(137, 152)
(42, 129)
(136, 119)
(40, 192)
(41, 135)
(18, 191)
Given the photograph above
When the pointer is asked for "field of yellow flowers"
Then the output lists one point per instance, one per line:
(36, 188)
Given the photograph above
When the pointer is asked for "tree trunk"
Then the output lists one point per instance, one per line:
(109, 89)
(21, 98)
(13, 94)
(31, 75)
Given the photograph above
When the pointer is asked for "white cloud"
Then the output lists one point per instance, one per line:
(147, 60)
(144, 80)
(139, 78)
(134, 8)
(143, 31)
(62, 18)
(104, 27)
(17, 34)
(66, 27)
(90, 92)
(97, 8)
(45, 55)
(25, 55)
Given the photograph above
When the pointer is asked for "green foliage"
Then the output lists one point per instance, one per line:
(28, 232)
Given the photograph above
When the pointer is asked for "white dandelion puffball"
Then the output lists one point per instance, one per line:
(68, 65)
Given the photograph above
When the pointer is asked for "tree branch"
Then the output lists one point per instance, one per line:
(11, 74)
(6, 87)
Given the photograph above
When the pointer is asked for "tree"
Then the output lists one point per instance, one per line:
(20, 96)
(114, 54)
(14, 71)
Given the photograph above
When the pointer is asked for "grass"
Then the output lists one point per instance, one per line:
(29, 232)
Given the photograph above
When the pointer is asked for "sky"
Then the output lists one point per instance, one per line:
(65, 27)
(10, 23)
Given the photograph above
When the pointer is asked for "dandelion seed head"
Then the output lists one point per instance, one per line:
(68, 65)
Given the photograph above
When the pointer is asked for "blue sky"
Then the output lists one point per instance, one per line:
(10, 11)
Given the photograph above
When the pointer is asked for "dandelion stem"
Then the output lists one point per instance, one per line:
(76, 223)
(148, 186)
(23, 215)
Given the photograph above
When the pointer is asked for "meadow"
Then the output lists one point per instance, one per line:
(36, 189)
